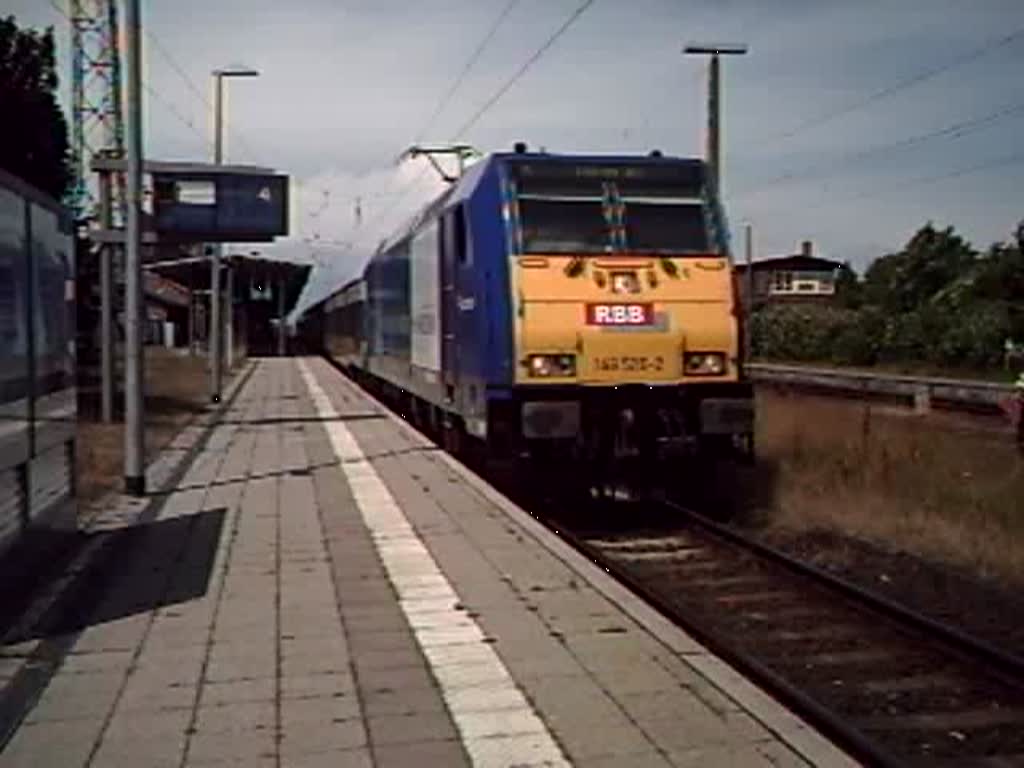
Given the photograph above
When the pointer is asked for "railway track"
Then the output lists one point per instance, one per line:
(891, 686)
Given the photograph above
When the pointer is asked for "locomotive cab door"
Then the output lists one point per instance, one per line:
(453, 248)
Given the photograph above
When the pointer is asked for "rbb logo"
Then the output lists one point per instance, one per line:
(619, 314)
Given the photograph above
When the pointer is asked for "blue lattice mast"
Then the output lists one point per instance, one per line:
(97, 121)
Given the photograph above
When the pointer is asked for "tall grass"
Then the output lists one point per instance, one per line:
(936, 485)
(176, 388)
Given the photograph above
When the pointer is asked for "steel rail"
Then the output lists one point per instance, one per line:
(973, 647)
(828, 722)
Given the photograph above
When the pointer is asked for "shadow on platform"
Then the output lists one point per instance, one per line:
(133, 570)
(294, 471)
(272, 420)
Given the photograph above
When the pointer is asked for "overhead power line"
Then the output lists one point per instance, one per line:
(1001, 162)
(496, 97)
(470, 63)
(442, 103)
(167, 56)
(181, 118)
(456, 84)
(953, 131)
(160, 48)
(525, 68)
(970, 56)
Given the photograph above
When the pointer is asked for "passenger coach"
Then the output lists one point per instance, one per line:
(576, 306)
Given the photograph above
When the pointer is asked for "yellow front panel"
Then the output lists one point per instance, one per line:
(690, 298)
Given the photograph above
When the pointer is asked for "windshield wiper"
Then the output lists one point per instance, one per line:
(575, 266)
(669, 266)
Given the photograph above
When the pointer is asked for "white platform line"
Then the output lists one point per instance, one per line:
(497, 724)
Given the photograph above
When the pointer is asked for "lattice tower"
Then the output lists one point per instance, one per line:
(97, 121)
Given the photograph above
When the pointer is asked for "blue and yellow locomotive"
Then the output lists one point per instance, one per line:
(579, 307)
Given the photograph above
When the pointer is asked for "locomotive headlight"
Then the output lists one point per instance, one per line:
(543, 366)
(703, 363)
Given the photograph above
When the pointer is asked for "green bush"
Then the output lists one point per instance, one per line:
(858, 341)
(970, 337)
(974, 337)
(799, 332)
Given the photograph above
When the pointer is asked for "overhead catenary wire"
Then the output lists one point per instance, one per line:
(1006, 161)
(439, 108)
(160, 48)
(445, 99)
(914, 80)
(955, 130)
(466, 69)
(507, 86)
(501, 91)
(181, 118)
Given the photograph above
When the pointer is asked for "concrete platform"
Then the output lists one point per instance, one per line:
(324, 587)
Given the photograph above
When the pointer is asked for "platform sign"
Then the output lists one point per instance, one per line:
(222, 207)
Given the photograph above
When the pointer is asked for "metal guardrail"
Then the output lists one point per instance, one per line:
(922, 391)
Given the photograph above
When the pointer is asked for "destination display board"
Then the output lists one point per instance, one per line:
(222, 207)
(650, 176)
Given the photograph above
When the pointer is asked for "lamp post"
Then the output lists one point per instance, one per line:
(714, 149)
(215, 294)
(134, 304)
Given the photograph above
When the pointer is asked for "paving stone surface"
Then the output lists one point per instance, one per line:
(321, 587)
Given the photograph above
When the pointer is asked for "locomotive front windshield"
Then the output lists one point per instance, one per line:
(665, 227)
(596, 210)
(559, 225)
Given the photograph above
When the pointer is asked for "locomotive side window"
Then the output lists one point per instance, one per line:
(462, 251)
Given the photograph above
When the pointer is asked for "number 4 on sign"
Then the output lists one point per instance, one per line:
(264, 194)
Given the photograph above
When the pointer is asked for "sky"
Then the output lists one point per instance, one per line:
(847, 124)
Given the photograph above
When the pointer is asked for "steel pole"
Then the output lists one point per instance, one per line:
(749, 308)
(106, 303)
(714, 137)
(191, 316)
(134, 443)
(229, 303)
(714, 121)
(280, 315)
(215, 321)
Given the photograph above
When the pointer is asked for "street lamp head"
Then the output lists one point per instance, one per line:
(715, 48)
(236, 71)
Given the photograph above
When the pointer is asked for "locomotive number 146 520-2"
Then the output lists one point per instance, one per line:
(630, 363)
